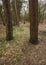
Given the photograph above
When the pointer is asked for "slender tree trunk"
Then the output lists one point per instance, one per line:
(9, 29)
(33, 13)
(2, 18)
(17, 23)
(15, 13)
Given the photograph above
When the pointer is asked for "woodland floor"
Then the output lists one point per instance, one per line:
(19, 51)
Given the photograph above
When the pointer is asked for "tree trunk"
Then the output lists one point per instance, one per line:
(33, 13)
(9, 29)
(15, 13)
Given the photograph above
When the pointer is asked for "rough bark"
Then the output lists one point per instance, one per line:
(9, 29)
(33, 14)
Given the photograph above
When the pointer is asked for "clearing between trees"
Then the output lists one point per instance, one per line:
(19, 51)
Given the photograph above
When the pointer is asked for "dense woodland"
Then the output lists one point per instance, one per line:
(22, 30)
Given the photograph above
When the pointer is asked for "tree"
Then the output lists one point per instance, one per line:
(2, 15)
(16, 6)
(15, 14)
(33, 14)
(41, 11)
(9, 29)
